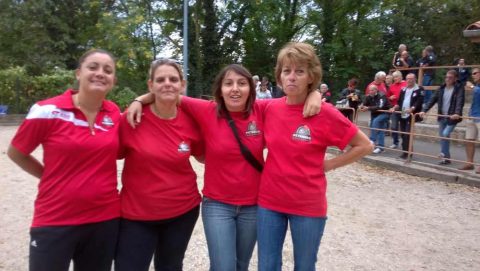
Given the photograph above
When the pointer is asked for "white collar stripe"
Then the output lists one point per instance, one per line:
(52, 112)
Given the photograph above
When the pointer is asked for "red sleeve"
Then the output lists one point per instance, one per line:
(340, 130)
(32, 132)
(195, 107)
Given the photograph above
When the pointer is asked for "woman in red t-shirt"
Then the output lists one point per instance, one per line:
(160, 198)
(293, 184)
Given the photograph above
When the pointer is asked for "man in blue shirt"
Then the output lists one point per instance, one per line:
(473, 125)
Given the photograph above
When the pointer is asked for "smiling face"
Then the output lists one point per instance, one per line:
(166, 84)
(235, 91)
(96, 73)
(295, 81)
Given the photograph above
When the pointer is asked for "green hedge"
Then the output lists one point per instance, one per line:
(19, 90)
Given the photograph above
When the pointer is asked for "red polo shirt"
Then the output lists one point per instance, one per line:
(79, 181)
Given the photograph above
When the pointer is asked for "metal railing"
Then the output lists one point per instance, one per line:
(413, 135)
(420, 71)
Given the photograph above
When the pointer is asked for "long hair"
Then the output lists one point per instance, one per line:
(217, 89)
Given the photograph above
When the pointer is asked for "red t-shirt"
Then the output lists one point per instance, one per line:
(158, 179)
(229, 178)
(79, 181)
(293, 180)
(381, 87)
(395, 89)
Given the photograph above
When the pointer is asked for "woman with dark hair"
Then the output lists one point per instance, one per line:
(293, 185)
(77, 208)
(160, 198)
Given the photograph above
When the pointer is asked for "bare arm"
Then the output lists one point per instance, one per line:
(360, 146)
(134, 111)
(313, 104)
(26, 162)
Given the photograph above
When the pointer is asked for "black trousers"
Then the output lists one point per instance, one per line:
(90, 246)
(167, 239)
(405, 125)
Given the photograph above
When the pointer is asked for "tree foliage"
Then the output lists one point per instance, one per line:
(352, 37)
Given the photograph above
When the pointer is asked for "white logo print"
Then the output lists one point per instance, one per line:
(252, 129)
(33, 243)
(107, 121)
(302, 134)
(183, 147)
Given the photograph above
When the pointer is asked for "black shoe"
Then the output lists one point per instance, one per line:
(403, 156)
(444, 162)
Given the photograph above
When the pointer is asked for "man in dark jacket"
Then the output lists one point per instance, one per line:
(409, 102)
(450, 99)
(375, 101)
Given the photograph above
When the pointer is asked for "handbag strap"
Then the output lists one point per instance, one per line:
(245, 151)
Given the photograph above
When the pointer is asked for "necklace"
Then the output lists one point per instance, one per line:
(167, 116)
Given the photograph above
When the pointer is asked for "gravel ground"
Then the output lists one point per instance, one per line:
(378, 220)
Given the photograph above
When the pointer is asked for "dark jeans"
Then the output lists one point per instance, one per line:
(405, 125)
(167, 239)
(90, 246)
(395, 118)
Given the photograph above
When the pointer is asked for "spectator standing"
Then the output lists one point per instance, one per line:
(267, 82)
(326, 94)
(409, 102)
(473, 125)
(428, 59)
(393, 94)
(396, 57)
(353, 97)
(405, 61)
(374, 102)
(256, 82)
(450, 99)
(388, 81)
(263, 92)
(463, 73)
(379, 82)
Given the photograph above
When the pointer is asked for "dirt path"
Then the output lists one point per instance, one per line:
(378, 220)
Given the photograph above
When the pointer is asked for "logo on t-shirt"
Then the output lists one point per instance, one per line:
(252, 129)
(183, 147)
(302, 134)
(107, 121)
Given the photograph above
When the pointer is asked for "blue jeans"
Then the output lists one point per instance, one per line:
(231, 234)
(379, 122)
(444, 131)
(427, 81)
(306, 235)
(395, 118)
